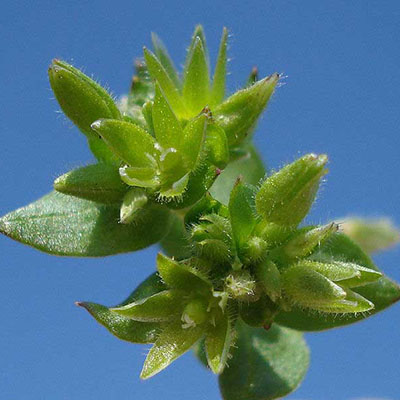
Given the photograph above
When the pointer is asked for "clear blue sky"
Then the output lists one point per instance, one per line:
(341, 96)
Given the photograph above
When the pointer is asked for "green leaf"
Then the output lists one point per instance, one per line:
(250, 167)
(218, 342)
(159, 74)
(219, 80)
(181, 276)
(197, 34)
(176, 242)
(286, 196)
(382, 293)
(238, 114)
(196, 80)
(242, 212)
(83, 101)
(160, 307)
(167, 128)
(194, 136)
(265, 365)
(98, 182)
(306, 240)
(130, 142)
(269, 277)
(126, 328)
(173, 342)
(165, 59)
(102, 152)
(217, 146)
(68, 226)
(121, 327)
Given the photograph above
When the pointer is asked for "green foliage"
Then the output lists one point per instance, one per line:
(241, 279)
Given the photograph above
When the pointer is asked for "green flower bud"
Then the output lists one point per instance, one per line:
(98, 182)
(195, 313)
(304, 287)
(305, 241)
(269, 277)
(345, 273)
(238, 114)
(82, 99)
(286, 197)
(254, 250)
(132, 204)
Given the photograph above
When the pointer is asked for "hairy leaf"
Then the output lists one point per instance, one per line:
(265, 365)
(68, 226)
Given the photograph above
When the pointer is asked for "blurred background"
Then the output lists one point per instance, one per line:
(341, 96)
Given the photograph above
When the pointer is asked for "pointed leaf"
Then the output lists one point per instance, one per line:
(238, 114)
(265, 365)
(160, 307)
(181, 276)
(218, 342)
(219, 80)
(130, 142)
(167, 128)
(286, 196)
(242, 212)
(196, 80)
(197, 34)
(173, 342)
(68, 226)
(194, 136)
(382, 293)
(81, 98)
(159, 74)
(126, 328)
(165, 59)
(121, 327)
(98, 182)
(217, 146)
(176, 242)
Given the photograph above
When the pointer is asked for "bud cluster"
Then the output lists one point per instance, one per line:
(171, 137)
(249, 259)
(239, 260)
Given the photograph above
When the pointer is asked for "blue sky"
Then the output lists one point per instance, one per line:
(341, 97)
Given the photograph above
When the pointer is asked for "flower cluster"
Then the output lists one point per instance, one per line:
(242, 278)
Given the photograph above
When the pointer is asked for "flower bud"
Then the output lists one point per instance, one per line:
(82, 99)
(305, 241)
(269, 277)
(345, 273)
(254, 250)
(238, 114)
(308, 288)
(286, 197)
(98, 182)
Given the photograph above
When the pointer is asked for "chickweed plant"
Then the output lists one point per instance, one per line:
(240, 277)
